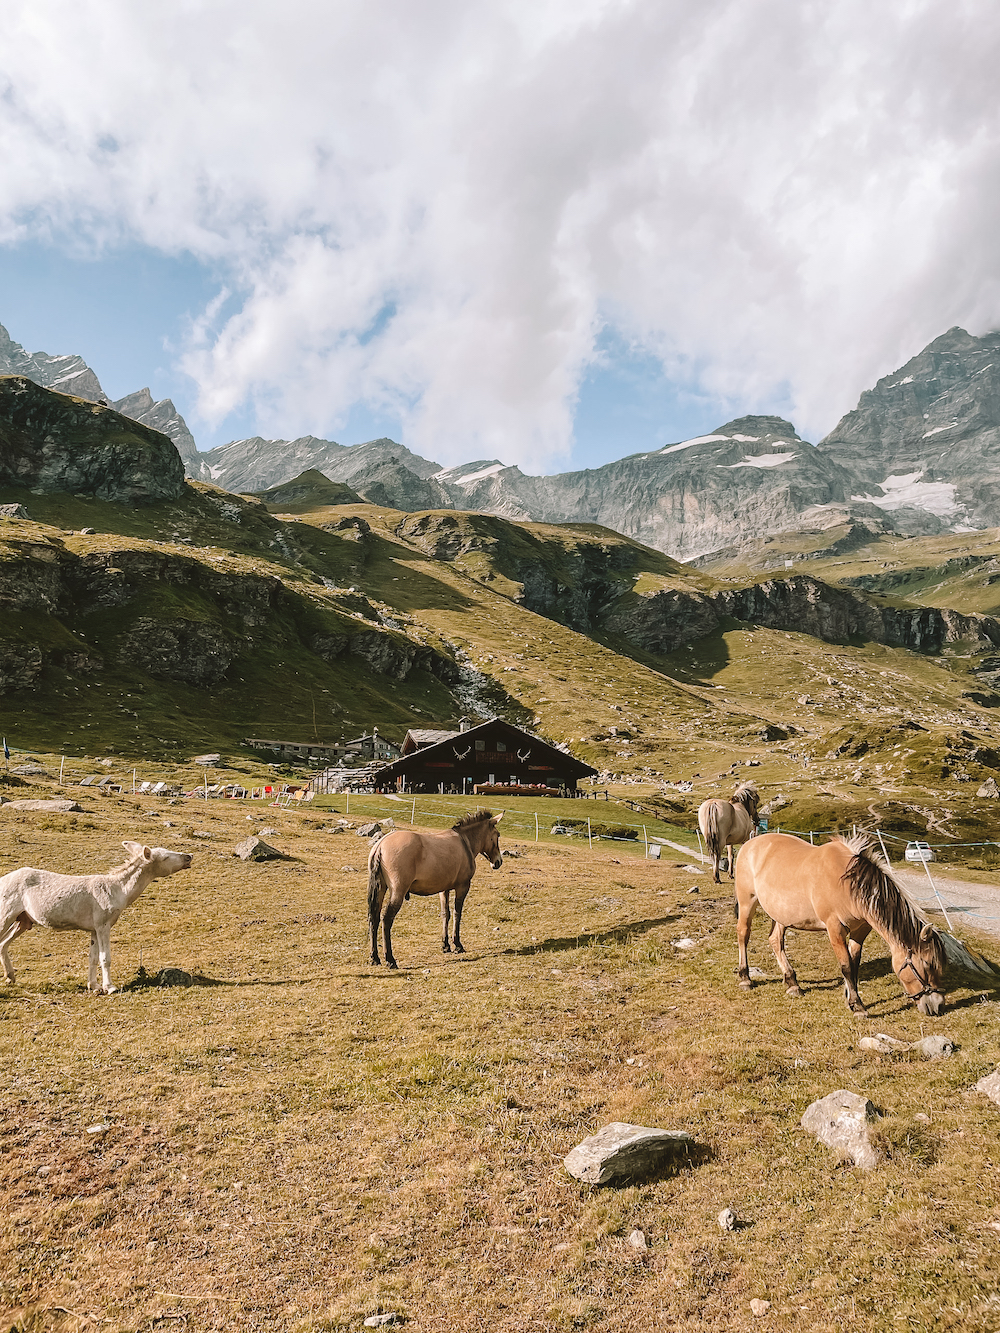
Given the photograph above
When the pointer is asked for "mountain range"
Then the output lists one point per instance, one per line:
(918, 455)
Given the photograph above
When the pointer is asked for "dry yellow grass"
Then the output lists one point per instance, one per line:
(301, 1140)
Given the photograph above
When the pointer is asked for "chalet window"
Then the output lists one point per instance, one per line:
(480, 745)
(501, 745)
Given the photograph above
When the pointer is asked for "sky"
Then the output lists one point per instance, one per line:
(548, 231)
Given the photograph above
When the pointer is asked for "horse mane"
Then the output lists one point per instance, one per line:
(747, 795)
(476, 817)
(882, 900)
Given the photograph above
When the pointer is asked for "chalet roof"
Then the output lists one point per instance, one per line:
(424, 736)
(443, 745)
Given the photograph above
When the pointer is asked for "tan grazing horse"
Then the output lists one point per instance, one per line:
(844, 889)
(724, 823)
(405, 862)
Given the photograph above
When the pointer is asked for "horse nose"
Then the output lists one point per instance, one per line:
(931, 1004)
(498, 863)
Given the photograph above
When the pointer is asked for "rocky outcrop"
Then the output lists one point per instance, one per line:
(185, 650)
(309, 490)
(164, 417)
(256, 464)
(664, 621)
(51, 442)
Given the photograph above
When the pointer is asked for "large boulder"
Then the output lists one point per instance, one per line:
(840, 1121)
(630, 1152)
(254, 849)
(64, 807)
(52, 442)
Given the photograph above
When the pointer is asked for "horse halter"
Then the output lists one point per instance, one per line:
(927, 988)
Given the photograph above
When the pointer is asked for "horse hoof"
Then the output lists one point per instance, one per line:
(459, 948)
(746, 983)
(794, 992)
(446, 948)
(111, 990)
(375, 962)
(391, 962)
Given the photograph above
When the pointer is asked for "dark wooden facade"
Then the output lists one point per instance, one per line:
(494, 752)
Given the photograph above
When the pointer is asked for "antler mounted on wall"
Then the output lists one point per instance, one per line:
(523, 758)
(461, 754)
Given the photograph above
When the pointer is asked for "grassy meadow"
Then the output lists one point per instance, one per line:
(297, 1140)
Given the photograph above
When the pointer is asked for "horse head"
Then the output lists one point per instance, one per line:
(920, 971)
(480, 833)
(491, 845)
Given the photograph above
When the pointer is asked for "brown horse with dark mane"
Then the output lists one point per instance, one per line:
(407, 861)
(844, 889)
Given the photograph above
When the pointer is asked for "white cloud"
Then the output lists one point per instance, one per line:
(435, 206)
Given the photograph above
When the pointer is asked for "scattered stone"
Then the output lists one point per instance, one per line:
(620, 1151)
(758, 974)
(693, 870)
(368, 830)
(694, 889)
(336, 829)
(381, 1320)
(266, 832)
(169, 823)
(989, 790)
(201, 833)
(44, 1171)
(30, 771)
(253, 849)
(883, 1044)
(209, 760)
(97, 1129)
(508, 852)
(990, 1085)
(348, 870)
(728, 1220)
(685, 943)
(840, 1121)
(14, 511)
(172, 976)
(637, 1240)
(758, 1307)
(65, 807)
(935, 1047)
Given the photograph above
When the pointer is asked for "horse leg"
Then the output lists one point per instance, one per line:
(388, 916)
(848, 967)
(745, 915)
(445, 919)
(776, 939)
(92, 984)
(854, 944)
(18, 926)
(461, 893)
(102, 939)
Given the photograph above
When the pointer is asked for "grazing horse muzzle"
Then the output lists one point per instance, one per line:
(928, 999)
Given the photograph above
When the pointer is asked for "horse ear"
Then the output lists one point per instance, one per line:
(133, 848)
(497, 818)
(147, 853)
(927, 933)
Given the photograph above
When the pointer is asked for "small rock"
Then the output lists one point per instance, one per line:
(381, 1320)
(637, 1240)
(209, 760)
(935, 1047)
(368, 830)
(169, 823)
(990, 1085)
(348, 870)
(88, 532)
(840, 1121)
(255, 850)
(29, 771)
(694, 889)
(624, 1151)
(44, 1171)
(989, 790)
(883, 1044)
(200, 833)
(266, 832)
(758, 974)
(97, 1129)
(685, 943)
(693, 870)
(727, 1220)
(758, 1307)
(924, 1119)
(336, 829)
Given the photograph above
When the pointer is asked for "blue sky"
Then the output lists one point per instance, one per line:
(129, 314)
(547, 231)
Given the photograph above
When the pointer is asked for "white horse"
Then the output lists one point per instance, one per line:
(724, 823)
(81, 902)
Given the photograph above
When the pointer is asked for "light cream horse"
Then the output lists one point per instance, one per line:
(406, 862)
(845, 889)
(81, 902)
(725, 823)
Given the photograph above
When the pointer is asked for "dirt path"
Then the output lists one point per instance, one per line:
(974, 905)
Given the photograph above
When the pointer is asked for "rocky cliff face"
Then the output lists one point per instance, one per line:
(67, 374)
(924, 444)
(51, 442)
(165, 418)
(667, 620)
(256, 464)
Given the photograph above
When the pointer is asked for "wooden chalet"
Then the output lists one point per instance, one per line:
(493, 758)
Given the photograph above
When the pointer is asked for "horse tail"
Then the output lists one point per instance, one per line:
(376, 888)
(713, 832)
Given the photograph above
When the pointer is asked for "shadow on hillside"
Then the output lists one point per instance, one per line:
(616, 935)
